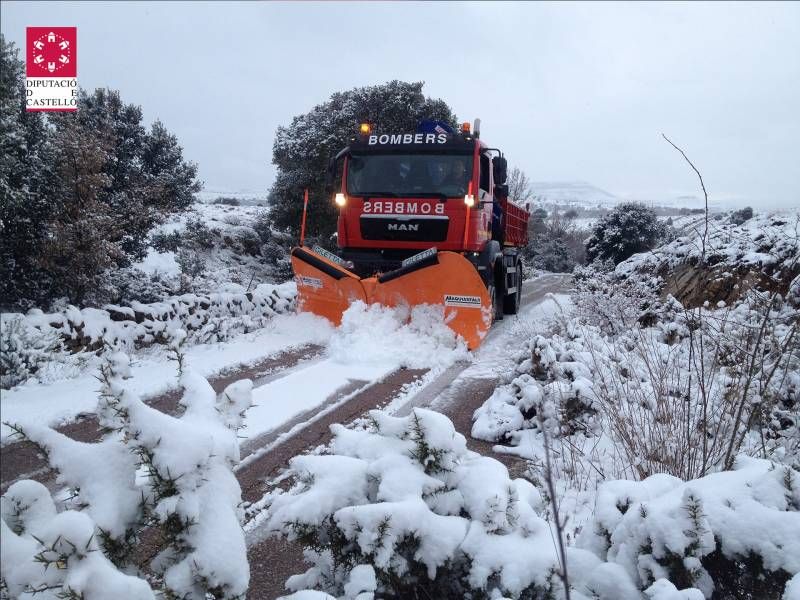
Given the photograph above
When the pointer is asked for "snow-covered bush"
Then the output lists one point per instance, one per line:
(549, 382)
(56, 555)
(670, 389)
(163, 241)
(24, 349)
(242, 239)
(191, 262)
(630, 228)
(618, 383)
(740, 216)
(733, 534)
(403, 506)
(150, 470)
(198, 235)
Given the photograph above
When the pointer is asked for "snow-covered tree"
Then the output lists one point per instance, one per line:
(301, 151)
(26, 169)
(628, 229)
(172, 181)
(80, 191)
(147, 176)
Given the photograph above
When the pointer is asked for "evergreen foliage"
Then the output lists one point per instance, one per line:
(79, 192)
(302, 150)
(627, 230)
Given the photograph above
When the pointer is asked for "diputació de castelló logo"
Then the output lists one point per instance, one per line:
(51, 69)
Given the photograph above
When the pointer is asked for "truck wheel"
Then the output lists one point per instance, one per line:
(512, 301)
(497, 312)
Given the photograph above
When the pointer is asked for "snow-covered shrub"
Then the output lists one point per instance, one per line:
(730, 535)
(198, 234)
(278, 256)
(621, 383)
(550, 383)
(56, 555)
(242, 239)
(191, 262)
(740, 216)
(164, 241)
(149, 470)
(630, 228)
(24, 349)
(403, 506)
(123, 286)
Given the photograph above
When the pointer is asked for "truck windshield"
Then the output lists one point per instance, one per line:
(409, 175)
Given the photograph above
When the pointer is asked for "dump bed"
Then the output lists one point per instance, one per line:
(516, 224)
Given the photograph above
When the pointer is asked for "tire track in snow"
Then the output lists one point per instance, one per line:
(22, 460)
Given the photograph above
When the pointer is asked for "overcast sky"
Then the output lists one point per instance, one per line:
(568, 91)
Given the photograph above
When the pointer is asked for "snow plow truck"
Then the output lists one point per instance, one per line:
(424, 218)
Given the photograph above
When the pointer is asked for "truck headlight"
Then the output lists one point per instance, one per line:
(340, 199)
(469, 200)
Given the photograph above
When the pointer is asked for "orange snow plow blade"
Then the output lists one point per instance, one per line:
(445, 278)
(324, 287)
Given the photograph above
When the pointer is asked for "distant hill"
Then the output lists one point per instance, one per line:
(244, 198)
(582, 194)
(573, 193)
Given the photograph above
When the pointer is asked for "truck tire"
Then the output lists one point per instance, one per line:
(511, 302)
(497, 299)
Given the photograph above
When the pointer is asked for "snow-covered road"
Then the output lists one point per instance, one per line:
(303, 369)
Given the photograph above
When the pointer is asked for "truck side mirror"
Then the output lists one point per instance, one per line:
(500, 166)
(330, 176)
(333, 163)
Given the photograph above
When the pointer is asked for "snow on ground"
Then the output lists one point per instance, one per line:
(153, 373)
(159, 263)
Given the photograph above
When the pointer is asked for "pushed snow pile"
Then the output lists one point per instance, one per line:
(29, 341)
(414, 338)
(721, 534)
(151, 470)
